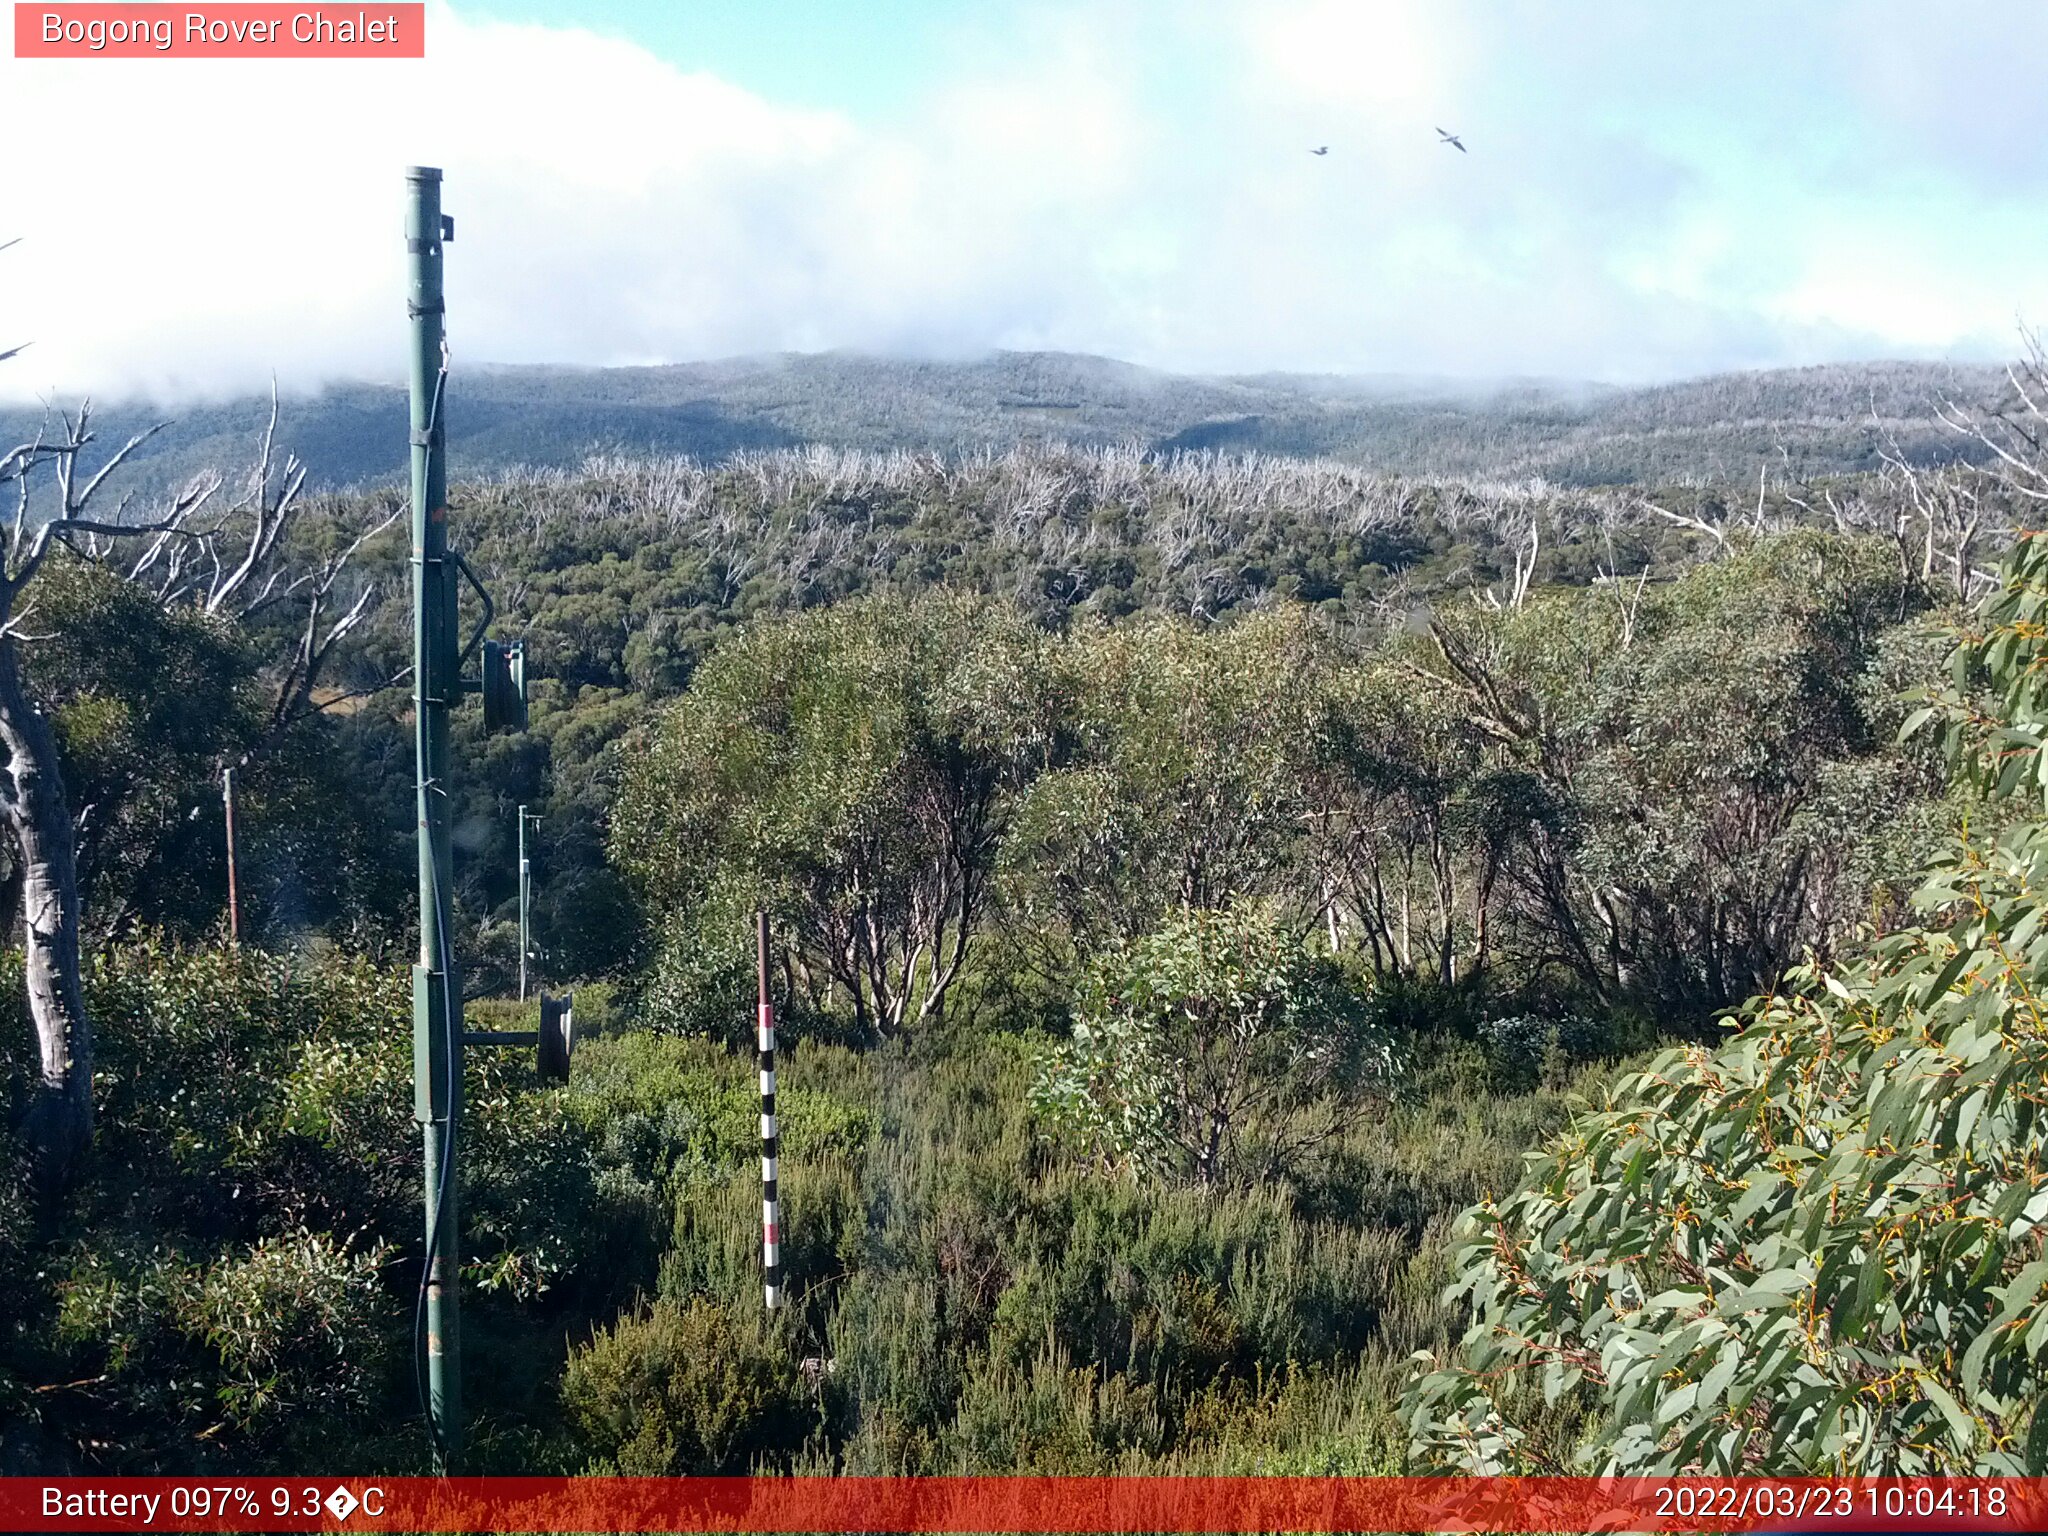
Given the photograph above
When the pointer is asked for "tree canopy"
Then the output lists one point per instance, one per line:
(1819, 1245)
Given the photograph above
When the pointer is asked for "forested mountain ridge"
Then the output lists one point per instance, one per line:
(1807, 421)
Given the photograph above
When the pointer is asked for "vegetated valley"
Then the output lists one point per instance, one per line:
(1285, 966)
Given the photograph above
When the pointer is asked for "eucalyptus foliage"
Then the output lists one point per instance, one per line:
(1819, 1246)
(1190, 780)
(1215, 1048)
(850, 771)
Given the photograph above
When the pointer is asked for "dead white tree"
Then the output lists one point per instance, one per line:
(1686, 520)
(232, 559)
(1965, 506)
(1527, 548)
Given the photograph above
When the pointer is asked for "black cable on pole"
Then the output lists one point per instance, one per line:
(445, 956)
(419, 1306)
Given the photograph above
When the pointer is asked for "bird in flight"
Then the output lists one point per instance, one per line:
(1320, 149)
(1454, 141)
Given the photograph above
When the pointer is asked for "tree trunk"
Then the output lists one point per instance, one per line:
(59, 1121)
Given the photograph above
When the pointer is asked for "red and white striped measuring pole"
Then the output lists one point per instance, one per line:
(771, 1206)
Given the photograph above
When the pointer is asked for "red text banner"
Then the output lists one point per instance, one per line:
(1842, 1506)
(221, 31)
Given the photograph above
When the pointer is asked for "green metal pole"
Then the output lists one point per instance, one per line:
(436, 994)
(525, 888)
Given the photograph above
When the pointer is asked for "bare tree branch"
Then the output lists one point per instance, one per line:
(1685, 521)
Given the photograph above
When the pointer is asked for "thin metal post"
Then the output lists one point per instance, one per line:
(525, 893)
(227, 796)
(771, 1206)
(436, 993)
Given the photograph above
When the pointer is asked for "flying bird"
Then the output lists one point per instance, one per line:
(1320, 149)
(1454, 141)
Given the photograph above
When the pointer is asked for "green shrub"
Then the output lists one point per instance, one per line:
(287, 1341)
(1051, 1419)
(958, 1299)
(241, 1260)
(1217, 1047)
(598, 1011)
(898, 1370)
(672, 1108)
(849, 771)
(701, 1387)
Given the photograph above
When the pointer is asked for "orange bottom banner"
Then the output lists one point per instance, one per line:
(1053, 1504)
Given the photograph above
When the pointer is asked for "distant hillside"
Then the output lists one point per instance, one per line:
(1809, 420)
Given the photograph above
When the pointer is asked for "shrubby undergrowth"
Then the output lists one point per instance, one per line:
(234, 1288)
(1158, 995)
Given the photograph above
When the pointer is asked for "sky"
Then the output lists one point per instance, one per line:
(1651, 191)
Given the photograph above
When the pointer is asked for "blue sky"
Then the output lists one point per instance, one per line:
(871, 60)
(1652, 191)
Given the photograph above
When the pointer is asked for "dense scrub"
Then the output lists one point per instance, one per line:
(1605, 801)
(235, 1286)
(622, 577)
(228, 1285)
(1820, 1245)
(1259, 974)
(1195, 882)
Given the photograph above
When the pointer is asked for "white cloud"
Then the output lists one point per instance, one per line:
(1392, 65)
(1640, 199)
